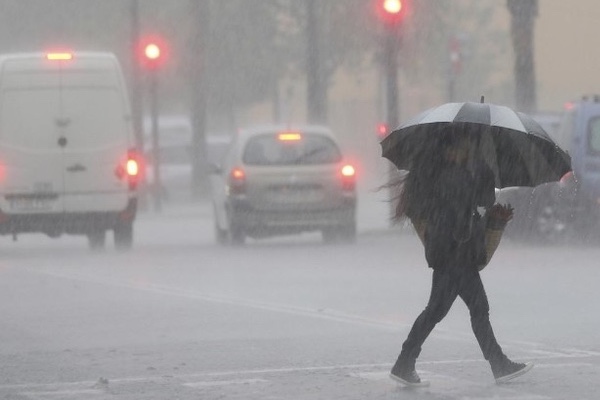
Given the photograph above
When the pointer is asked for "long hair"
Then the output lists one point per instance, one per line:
(413, 191)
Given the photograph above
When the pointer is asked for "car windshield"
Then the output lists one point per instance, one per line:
(304, 149)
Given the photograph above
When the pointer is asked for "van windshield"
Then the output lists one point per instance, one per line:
(304, 149)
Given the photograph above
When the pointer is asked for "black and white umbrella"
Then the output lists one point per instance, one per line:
(516, 147)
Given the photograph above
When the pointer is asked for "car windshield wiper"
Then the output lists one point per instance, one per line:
(303, 157)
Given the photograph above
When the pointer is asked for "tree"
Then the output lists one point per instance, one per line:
(425, 54)
(244, 55)
(316, 87)
(326, 35)
(197, 76)
(523, 13)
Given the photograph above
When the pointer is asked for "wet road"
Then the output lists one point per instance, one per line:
(182, 318)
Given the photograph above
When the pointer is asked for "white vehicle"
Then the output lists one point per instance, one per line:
(67, 158)
(176, 154)
(279, 181)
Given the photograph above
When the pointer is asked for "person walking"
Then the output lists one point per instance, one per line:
(444, 194)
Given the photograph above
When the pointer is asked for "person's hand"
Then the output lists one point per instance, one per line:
(502, 212)
(499, 215)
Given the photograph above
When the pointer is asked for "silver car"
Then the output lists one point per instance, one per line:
(278, 181)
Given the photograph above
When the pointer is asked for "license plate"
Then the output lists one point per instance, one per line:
(297, 195)
(30, 204)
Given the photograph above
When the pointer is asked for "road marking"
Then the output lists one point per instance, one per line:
(64, 394)
(225, 383)
(448, 384)
(324, 314)
(373, 372)
(565, 365)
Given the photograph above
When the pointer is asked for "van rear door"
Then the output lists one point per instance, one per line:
(30, 157)
(96, 133)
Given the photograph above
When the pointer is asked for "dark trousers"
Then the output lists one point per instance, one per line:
(446, 286)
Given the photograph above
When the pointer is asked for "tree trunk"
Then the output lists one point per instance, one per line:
(523, 14)
(200, 10)
(316, 85)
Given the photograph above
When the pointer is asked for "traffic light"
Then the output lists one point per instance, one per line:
(152, 53)
(382, 130)
(391, 12)
(392, 6)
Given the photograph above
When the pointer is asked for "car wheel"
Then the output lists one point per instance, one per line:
(123, 235)
(237, 237)
(347, 233)
(340, 234)
(328, 235)
(97, 240)
(550, 224)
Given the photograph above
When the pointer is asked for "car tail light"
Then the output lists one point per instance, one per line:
(237, 181)
(568, 178)
(131, 168)
(348, 177)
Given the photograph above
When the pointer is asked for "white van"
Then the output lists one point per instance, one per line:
(68, 164)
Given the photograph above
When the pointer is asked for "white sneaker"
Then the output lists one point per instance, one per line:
(511, 371)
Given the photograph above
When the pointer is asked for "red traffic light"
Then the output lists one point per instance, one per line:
(391, 11)
(392, 6)
(152, 52)
(382, 130)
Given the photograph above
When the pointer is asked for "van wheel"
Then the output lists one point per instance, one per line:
(237, 237)
(123, 235)
(220, 234)
(96, 240)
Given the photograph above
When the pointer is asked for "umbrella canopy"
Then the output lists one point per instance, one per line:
(515, 147)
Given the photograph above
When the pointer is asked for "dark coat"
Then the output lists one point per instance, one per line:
(455, 234)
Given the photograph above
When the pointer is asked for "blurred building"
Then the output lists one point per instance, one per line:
(567, 56)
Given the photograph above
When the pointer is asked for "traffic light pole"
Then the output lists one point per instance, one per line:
(136, 98)
(157, 184)
(391, 77)
(391, 51)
